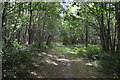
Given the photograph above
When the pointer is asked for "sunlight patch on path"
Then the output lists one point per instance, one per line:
(63, 60)
(34, 73)
(39, 55)
(59, 44)
(51, 62)
(52, 56)
(35, 64)
(76, 60)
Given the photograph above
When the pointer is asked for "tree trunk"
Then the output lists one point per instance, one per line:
(29, 30)
(118, 26)
(108, 41)
(86, 36)
(103, 32)
(48, 40)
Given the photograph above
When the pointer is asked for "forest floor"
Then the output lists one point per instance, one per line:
(56, 63)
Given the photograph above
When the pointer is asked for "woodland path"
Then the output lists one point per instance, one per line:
(53, 65)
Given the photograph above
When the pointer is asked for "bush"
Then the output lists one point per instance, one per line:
(93, 52)
(16, 60)
(110, 64)
(80, 51)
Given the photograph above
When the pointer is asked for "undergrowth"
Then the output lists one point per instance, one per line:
(108, 63)
(17, 58)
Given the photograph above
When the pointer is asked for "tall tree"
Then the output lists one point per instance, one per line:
(117, 7)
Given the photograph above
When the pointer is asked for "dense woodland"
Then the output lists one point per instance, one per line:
(90, 29)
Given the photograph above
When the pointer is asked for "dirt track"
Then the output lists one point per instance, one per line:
(60, 66)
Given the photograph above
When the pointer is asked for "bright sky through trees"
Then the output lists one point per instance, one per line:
(65, 4)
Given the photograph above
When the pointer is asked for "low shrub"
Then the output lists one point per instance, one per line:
(110, 64)
(16, 60)
(80, 51)
(93, 52)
